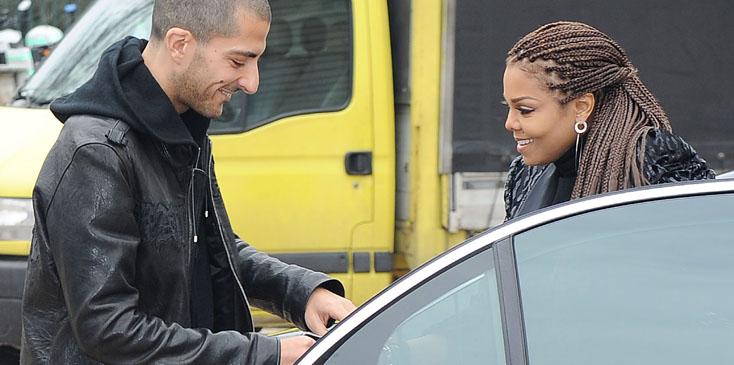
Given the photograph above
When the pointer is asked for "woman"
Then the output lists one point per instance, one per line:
(584, 122)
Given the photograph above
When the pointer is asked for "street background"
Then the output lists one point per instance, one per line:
(42, 12)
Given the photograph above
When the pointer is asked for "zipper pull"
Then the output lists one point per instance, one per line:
(196, 238)
(206, 213)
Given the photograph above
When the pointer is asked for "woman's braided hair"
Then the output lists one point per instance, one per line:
(576, 59)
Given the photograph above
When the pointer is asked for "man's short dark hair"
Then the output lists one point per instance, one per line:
(204, 18)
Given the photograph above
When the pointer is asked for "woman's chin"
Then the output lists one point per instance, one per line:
(531, 161)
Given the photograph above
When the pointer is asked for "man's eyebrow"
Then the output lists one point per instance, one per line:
(248, 54)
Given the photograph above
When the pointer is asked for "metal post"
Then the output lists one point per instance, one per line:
(24, 16)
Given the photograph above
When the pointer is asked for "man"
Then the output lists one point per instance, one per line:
(133, 258)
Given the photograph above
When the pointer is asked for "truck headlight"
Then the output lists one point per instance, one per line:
(16, 219)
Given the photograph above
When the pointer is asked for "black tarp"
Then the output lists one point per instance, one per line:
(684, 51)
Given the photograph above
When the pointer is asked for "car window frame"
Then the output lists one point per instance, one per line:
(502, 238)
(404, 286)
(444, 272)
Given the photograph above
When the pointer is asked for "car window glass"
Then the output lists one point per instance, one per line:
(306, 67)
(453, 318)
(646, 283)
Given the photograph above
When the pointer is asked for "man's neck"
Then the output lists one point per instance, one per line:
(156, 61)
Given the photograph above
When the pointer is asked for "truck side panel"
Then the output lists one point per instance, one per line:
(316, 187)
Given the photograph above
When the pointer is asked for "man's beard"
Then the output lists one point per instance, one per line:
(189, 85)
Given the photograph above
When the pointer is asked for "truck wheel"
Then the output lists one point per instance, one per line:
(9, 355)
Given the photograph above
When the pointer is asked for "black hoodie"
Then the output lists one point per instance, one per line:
(123, 88)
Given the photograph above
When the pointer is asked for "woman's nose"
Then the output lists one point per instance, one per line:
(511, 123)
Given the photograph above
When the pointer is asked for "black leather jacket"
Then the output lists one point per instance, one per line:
(109, 272)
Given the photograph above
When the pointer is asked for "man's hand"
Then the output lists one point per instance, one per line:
(291, 348)
(324, 305)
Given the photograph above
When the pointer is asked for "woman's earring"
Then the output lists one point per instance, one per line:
(580, 127)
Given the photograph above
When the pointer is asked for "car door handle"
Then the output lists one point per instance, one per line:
(358, 163)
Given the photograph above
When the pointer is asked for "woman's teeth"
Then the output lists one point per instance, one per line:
(523, 142)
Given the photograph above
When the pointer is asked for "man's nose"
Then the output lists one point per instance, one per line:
(249, 81)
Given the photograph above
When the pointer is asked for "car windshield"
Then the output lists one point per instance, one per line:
(75, 59)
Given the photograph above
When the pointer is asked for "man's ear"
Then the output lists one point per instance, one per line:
(584, 106)
(180, 44)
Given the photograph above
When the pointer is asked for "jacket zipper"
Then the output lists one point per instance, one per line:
(192, 226)
(194, 235)
(190, 213)
(224, 242)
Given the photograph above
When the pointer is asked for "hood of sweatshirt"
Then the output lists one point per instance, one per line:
(123, 88)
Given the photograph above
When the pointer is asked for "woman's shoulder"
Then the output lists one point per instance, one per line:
(669, 158)
(518, 173)
(520, 177)
(664, 144)
(513, 176)
(516, 166)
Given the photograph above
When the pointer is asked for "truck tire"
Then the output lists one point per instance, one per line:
(9, 355)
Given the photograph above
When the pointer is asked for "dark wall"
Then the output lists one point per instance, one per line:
(682, 49)
(399, 11)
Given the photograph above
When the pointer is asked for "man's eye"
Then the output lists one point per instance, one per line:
(237, 63)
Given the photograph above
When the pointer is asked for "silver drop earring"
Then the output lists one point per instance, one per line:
(580, 127)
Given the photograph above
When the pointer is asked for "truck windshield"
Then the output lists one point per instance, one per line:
(75, 59)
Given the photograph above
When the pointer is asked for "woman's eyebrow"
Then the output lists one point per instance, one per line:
(521, 98)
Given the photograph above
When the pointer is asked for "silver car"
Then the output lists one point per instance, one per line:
(644, 276)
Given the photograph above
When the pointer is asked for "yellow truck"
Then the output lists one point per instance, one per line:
(325, 166)
(376, 140)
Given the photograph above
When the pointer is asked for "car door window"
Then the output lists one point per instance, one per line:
(453, 318)
(306, 67)
(646, 283)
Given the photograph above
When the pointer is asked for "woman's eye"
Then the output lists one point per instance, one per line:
(525, 110)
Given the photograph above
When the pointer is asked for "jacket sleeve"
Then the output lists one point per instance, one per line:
(668, 158)
(280, 288)
(94, 247)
